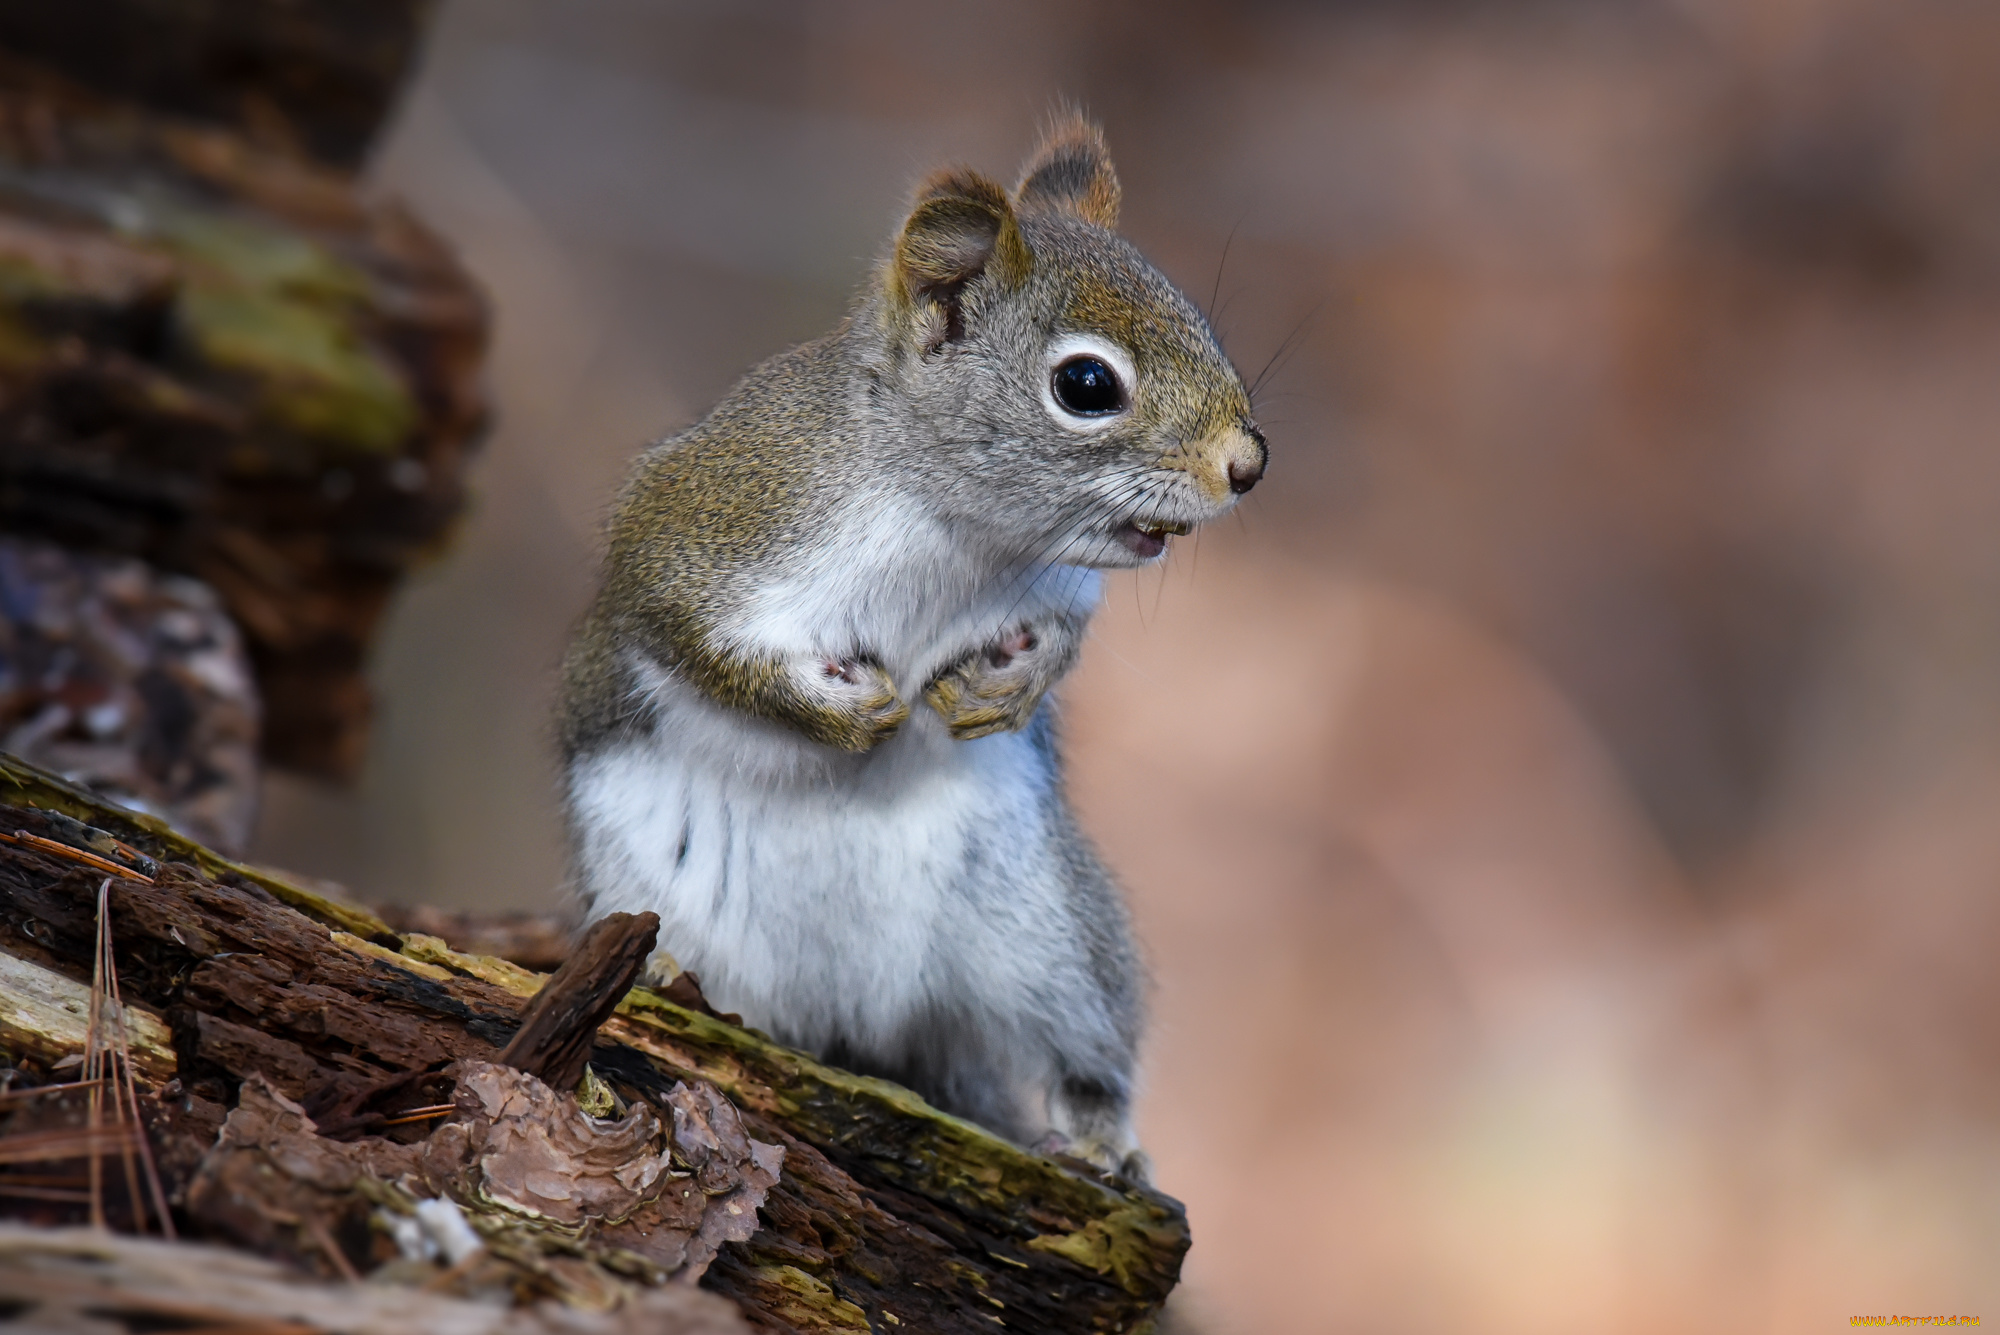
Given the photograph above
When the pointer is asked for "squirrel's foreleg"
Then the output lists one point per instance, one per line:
(997, 686)
(845, 701)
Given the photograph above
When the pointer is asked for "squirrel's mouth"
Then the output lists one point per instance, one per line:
(1147, 538)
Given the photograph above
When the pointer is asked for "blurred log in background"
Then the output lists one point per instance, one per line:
(222, 353)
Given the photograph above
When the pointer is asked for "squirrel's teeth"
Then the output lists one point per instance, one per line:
(1147, 539)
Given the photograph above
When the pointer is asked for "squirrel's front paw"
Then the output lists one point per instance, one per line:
(853, 704)
(996, 689)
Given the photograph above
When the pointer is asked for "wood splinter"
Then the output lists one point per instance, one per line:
(560, 1024)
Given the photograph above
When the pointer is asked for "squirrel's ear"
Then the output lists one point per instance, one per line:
(1072, 172)
(962, 228)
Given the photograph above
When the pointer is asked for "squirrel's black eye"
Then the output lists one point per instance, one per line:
(1087, 387)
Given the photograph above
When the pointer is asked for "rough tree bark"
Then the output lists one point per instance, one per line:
(888, 1215)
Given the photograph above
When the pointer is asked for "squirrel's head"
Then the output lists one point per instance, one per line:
(1069, 399)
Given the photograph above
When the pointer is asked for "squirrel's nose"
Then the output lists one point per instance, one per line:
(1246, 468)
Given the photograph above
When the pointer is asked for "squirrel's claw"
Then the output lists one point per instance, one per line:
(855, 706)
(1134, 1165)
(998, 688)
(976, 699)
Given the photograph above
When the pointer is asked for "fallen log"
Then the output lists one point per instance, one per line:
(886, 1213)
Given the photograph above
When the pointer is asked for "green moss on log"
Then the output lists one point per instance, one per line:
(314, 376)
(811, 1305)
(277, 309)
(1130, 1235)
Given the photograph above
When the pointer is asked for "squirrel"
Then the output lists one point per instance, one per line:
(807, 720)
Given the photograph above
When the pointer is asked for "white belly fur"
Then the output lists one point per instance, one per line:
(841, 901)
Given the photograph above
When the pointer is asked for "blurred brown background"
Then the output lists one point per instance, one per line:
(1562, 812)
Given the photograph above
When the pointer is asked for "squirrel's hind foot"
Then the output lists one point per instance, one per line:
(1134, 1164)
